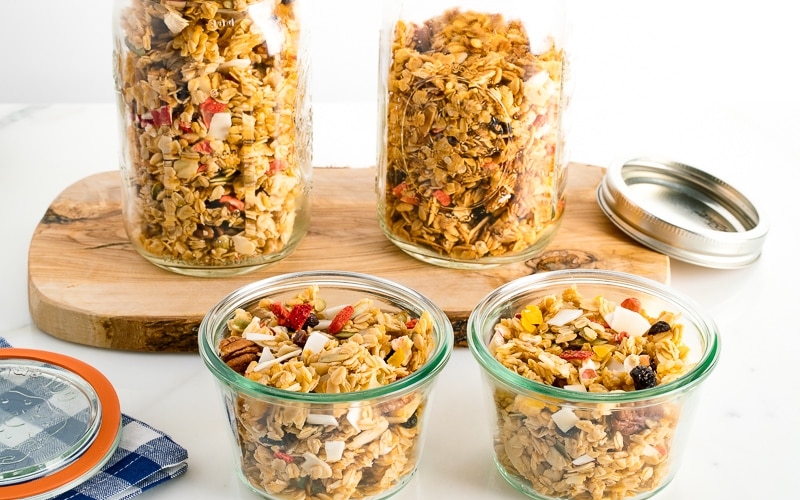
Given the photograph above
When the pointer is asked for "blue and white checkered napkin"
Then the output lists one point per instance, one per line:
(144, 458)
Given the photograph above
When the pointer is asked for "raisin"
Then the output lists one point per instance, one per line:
(499, 127)
(311, 322)
(411, 422)
(643, 377)
(422, 38)
(300, 337)
(659, 327)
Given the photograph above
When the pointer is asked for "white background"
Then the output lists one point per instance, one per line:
(649, 67)
(710, 83)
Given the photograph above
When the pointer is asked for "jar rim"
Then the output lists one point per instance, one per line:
(706, 328)
(394, 292)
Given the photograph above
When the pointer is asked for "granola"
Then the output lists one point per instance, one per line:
(340, 450)
(217, 129)
(473, 155)
(587, 451)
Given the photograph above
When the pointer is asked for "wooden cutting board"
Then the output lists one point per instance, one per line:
(86, 283)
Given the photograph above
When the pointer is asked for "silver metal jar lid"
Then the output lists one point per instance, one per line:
(682, 212)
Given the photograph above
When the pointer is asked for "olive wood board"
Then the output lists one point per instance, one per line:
(86, 283)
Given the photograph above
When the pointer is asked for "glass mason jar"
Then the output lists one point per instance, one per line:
(326, 419)
(216, 138)
(471, 160)
(592, 378)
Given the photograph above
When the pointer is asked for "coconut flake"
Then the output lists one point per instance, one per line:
(255, 337)
(575, 387)
(583, 460)
(334, 450)
(564, 316)
(267, 364)
(332, 311)
(321, 419)
(631, 362)
(316, 342)
(353, 416)
(266, 355)
(625, 320)
(615, 366)
(565, 419)
(220, 125)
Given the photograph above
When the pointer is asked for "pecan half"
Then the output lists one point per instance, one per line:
(238, 352)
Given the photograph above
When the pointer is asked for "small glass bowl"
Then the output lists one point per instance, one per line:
(557, 443)
(281, 437)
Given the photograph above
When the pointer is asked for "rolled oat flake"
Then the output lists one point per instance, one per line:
(683, 212)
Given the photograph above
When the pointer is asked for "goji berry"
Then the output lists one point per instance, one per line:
(576, 354)
(442, 197)
(619, 337)
(411, 200)
(232, 201)
(410, 324)
(284, 456)
(632, 303)
(398, 189)
(298, 316)
(342, 317)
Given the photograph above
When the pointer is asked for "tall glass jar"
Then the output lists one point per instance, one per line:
(216, 143)
(471, 161)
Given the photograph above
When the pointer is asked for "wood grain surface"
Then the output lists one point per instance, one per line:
(86, 283)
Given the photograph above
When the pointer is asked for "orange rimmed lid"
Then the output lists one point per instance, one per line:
(60, 422)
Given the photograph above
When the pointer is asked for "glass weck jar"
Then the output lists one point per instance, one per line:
(471, 159)
(216, 142)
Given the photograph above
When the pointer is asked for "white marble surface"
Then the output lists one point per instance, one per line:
(730, 107)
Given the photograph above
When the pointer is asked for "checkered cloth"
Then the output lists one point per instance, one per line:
(144, 458)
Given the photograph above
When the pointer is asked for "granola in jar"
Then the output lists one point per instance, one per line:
(585, 451)
(293, 449)
(473, 168)
(216, 131)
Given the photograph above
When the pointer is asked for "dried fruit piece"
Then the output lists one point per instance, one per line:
(658, 327)
(531, 318)
(575, 354)
(209, 108)
(341, 318)
(632, 304)
(643, 377)
(442, 197)
(280, 312)
(298, 316)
